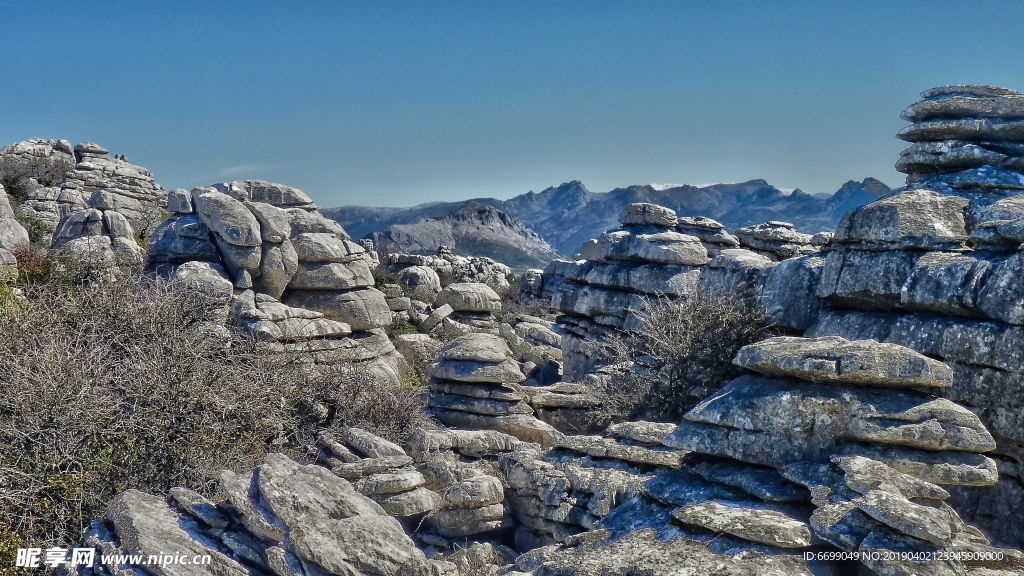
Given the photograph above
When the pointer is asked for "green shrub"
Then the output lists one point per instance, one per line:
(382, 277)
(117, 385)
(681, 352)
(400, 326)
(39, 231)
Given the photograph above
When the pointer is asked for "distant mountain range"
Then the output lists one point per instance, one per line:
(565, 216)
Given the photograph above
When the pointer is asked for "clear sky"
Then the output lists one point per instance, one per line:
(395, 103)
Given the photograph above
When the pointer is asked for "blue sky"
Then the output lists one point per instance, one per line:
(396, 103)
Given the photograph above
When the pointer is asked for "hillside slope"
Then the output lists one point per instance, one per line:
(474, 229)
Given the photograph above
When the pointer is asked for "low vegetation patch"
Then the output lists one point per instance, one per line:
(681, 353)
(124, 384)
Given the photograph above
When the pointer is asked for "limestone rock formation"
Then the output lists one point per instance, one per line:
(409, 268)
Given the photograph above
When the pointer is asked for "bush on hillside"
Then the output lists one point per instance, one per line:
(681, 353)
(123, 384)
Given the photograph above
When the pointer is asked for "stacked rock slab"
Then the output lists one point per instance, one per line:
(852, 423)
(300, 284)
(106, 183)
(276, 519)
(380, 470)
(475, 385)
(461, 464)
(936, 267)
(658, 255)
(104, 238)
(464, 307)
(50, 160)
(780, 240)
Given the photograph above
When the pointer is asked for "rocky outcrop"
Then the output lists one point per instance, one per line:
(475, 385)
(411, 270)
(930, 268)
(283, 518)
(12, 233)
(600, 294)
(300, 284)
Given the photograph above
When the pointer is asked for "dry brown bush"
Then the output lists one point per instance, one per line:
(681, 353)
(116, 385)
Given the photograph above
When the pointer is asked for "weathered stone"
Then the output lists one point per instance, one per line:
(864, 279)
(209, 278)
(476, 347)
(646, 432)
(764, 526)
(332, 275)
(227, 217)
(789, 292)
(475, 492)
(146, 526)
(274, 224)
(737, 272)
(912, 219)
(371, 445)
(239, 259)
(363, 309)
(621, 450)
(864, 475)
(764, 483)
(470, 442)
(972, 129)
(326, 247)
(950, 468)
(842, 524)
(456, 522)
(1001, 296)
(888, 552)
(435, 318)
(419, 279)
(779, 239)
(641, 214)
(311, 222)
(199, 507)
(650, 279)
(180, 239)
(356, 545)
(389, 482)
(179, 201)
(367, 466)
(662, 248)
(418, 501)
(469, 297)
(295, 494)
(522, 426)
(472, 371)
(835, 359)
(769, 422)
(924, 522)
(269, 193)
(485, 406)
(505, 392)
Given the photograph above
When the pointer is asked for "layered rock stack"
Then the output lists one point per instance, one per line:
(835, 444)
(300, 283)
(780, 240)
(569, 489)
(381, 470)
(936, 266)
(657, 254)
(851, 423)
(474, 385)
(464, 308)
(104, 239)
(461, 465)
